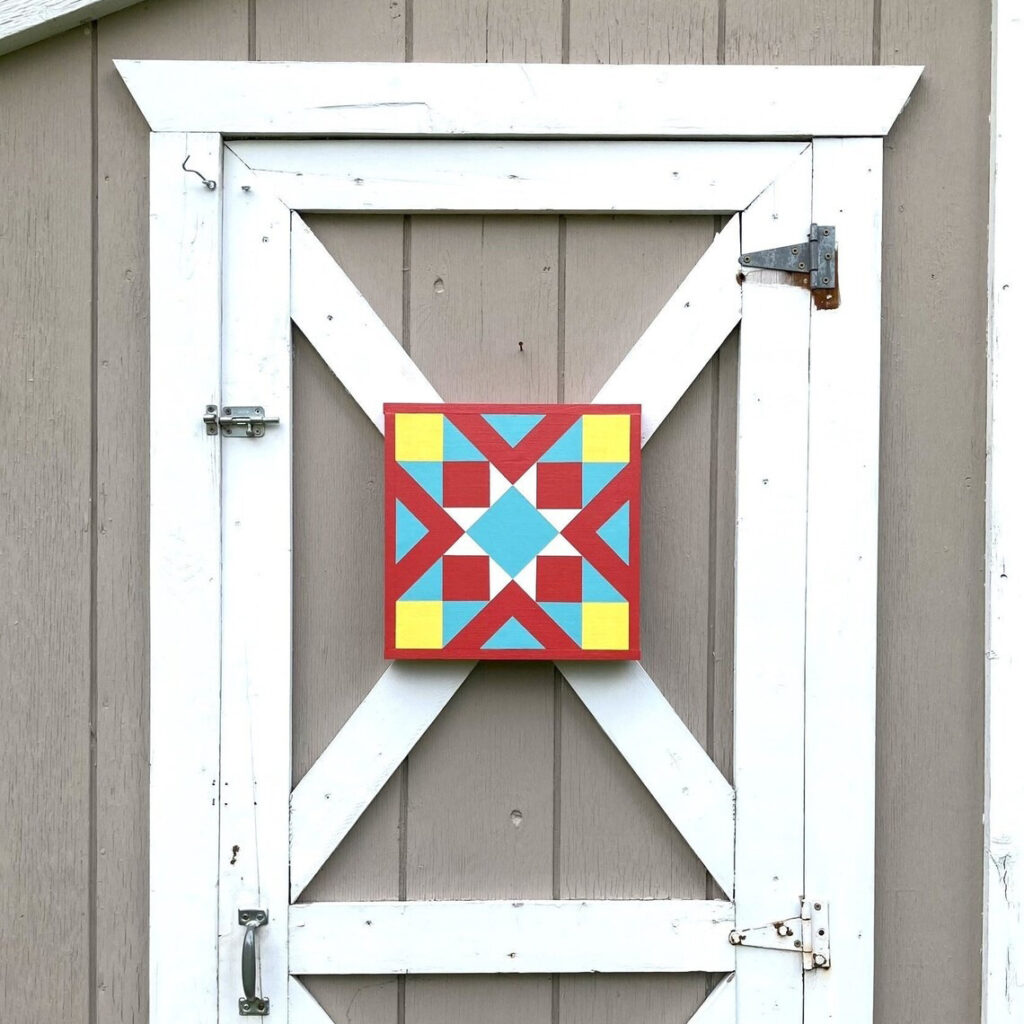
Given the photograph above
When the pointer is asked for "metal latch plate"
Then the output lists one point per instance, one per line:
(807, 935)
(238, 420)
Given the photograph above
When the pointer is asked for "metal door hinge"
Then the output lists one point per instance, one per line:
(807, 935)
(238, 420)
(815, 257)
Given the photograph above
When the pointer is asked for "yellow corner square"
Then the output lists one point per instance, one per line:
(419, 437)
(605, 626)
(606, 438)
(418, 625)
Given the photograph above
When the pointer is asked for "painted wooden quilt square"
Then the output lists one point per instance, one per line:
(512, 531)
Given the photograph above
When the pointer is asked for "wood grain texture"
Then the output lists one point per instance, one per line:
(480, 781)
(45, 483)
(527, 31)
(29, 21)
(325, 30)
(931, 544)
(338, 629)
(183, 27)
(336, 446)
(799, 32)
(651, 32)
(614, 839)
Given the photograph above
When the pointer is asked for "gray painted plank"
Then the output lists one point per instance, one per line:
(798, 32)
(528, 31)
(658, 32)
(334, 625)
(45, 531)
(615, 840)
(931, 544)
(186, 28)
(480, 780)
(338, 631)
(328, 30)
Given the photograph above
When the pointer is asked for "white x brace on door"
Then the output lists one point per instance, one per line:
(233, 265)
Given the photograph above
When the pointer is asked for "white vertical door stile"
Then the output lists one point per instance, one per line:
(257, 590)
(184, 576)
(771, 533)
(842, 544)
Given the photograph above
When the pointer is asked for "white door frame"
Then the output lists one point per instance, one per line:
(819, 508)
(1003, 979)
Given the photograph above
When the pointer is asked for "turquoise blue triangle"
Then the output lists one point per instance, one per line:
(512, 637)
(597, 476)
(615, 533)
(429, 475)
(427, 587)
(455, 615)
(409, 531)
(568, 448)
(596, 587)
(568, 615)
(513, 426)
(457, 447)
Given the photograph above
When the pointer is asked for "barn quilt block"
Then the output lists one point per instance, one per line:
(512, 531)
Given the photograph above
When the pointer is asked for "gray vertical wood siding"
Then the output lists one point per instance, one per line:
(514, 792)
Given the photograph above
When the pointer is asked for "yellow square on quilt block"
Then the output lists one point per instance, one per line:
(606, 438)
(605, 626)
(418, 625)
(419, 437)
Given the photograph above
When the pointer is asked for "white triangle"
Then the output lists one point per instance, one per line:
(465, 545)
(499, 579)
(527, 578)
(526, 485)
(559, 546)
(559, 518)
(465, 517)
(499, 485)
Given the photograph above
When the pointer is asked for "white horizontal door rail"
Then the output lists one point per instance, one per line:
(515, 176)
(510, 937)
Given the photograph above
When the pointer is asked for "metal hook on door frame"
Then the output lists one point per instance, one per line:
(208, 182)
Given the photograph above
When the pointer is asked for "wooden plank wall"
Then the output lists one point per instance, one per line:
(514, 792)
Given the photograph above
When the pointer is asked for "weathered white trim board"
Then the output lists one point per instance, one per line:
(511, 937)
(686, 333)
(23, 22)
(531, 100)
(1003, 999)
(362, 757)
(771, 532)
(666, 757)
(511, 176)
(842, 579)
(256, 650)
(351, 339)
(184, 575)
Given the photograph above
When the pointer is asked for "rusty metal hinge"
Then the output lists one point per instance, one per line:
(807, 935)
(816, 257)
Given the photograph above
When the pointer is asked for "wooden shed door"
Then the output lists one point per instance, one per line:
(611, 841)
(279, 828)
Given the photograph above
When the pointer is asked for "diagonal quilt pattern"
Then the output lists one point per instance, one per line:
(512, 531)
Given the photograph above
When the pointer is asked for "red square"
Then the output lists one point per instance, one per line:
(467, 485)
(559, 485)
(559, 578)
(466, 578)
